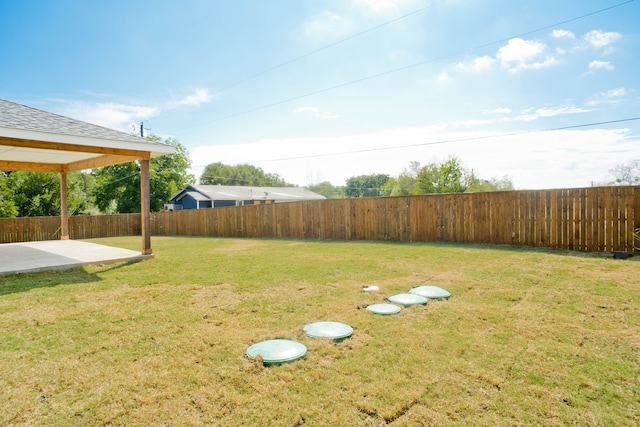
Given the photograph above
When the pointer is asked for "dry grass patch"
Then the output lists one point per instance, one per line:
(528, 337)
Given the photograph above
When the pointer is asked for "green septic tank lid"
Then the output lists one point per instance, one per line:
(277, 351)
(431, 292)
(408, 299)
(335, 330)
(383, 308)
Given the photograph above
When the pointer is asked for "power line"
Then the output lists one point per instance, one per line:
(353, 36)
(297, 58)
(449, 141)
(406, 67)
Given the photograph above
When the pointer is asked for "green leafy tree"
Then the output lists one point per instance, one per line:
(327, 189)
(477, 185)
(242, 175)
(445, 177)
(366, 185)
(405, 184)
(8, 208)
(80, 193)
(38, 193)
(117, 187)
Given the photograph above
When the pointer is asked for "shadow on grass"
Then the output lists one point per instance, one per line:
(24, 282)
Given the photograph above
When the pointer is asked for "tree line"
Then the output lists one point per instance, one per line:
(116, 188)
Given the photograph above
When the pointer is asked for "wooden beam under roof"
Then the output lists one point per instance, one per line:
(10, 165)
(101, 161)
(59, 146)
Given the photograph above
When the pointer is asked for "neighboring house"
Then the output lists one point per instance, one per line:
(216, 196)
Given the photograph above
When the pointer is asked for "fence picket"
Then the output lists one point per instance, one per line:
(587, 219)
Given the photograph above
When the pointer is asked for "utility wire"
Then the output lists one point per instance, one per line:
(353, 36)
(449, 141)
(406, 67)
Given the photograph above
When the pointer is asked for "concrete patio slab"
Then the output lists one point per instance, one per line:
(29, 257)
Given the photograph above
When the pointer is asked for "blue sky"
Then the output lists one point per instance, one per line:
(322, 90)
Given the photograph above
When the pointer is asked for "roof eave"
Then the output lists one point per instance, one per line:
(154, 148)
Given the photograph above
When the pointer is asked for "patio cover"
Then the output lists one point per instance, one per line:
(39, 141)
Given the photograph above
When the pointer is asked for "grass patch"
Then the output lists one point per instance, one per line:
(528, 337)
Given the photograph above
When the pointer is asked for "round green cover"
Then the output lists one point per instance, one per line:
(277, 351)
(335, 330)
(383, 308)
(431, 292)
(408, 299)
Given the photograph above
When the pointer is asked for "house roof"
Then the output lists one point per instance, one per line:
(231, 192)
(32, 139)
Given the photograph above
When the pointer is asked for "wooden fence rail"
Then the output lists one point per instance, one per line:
(598, 219)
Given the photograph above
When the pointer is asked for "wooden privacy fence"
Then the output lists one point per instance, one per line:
(584, 219)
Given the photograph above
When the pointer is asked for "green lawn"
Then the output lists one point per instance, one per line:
(529, 337)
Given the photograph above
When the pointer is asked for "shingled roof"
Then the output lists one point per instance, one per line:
(19, 116)
(232, 192)
(55, 142)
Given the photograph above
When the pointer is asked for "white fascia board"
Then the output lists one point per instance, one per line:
(156, 149)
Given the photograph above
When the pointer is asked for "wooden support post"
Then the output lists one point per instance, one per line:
(145, 201)
(64, 210)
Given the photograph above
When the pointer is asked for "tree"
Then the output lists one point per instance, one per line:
(366, 185)
(327, 189)
(445, 177)
(477, 185)
(627, 174)
(8, 208)
(80, 193)
(242, 175)
(405, 184)
(118, 186)
(38, 193)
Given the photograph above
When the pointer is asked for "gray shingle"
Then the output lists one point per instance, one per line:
(13, 115)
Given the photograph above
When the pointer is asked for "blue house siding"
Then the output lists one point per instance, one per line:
(187, 203)
(224, 203)
(190, 203)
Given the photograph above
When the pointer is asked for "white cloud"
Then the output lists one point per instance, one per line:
(563, 34)
(615, 93)
(305, 110)
(556, 111)
(600, 65)
(520, 51)
(535, 114)
(519, 54)
(612, 96)
(110, 115)
(477, 64)
(121, 116)
(599, 39)
(200, 96)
